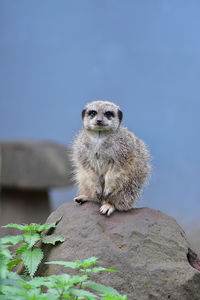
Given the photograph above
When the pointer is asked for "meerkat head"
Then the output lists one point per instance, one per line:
(101, 116)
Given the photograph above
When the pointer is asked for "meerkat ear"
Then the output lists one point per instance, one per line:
(83, 113)
(120, 115)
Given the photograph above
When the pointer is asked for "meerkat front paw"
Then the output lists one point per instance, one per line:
(107, 209)
(81, 199)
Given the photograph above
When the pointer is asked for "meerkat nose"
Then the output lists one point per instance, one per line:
(99, 122)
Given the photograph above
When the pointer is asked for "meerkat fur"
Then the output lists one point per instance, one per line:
(111, 163)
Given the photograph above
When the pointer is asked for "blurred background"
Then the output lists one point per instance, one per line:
(55, 56)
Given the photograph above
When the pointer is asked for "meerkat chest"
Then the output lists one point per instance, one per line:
(100, 156)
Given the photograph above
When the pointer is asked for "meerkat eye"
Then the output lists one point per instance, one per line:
(109, 114)
(92, 113)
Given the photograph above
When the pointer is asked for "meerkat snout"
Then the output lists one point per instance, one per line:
(99, 122)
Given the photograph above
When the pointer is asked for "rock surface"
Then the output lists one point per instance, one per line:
(148, 247)
(34, 165)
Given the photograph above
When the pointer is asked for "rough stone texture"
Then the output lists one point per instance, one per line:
(148, 247)
(34, 165)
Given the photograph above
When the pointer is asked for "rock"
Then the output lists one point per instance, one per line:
(34, 165)
(147, 247)
(193, 259)
(27, 170)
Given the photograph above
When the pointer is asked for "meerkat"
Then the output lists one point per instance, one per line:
(111, 163)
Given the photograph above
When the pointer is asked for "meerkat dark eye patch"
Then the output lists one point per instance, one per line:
(109, 114)
(92, 113)
(83, 113)
(120, 115)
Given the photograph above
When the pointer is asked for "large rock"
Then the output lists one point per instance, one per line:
(148, 247)
(34, 165)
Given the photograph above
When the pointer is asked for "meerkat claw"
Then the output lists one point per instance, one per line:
(107, 209)
(80, 200)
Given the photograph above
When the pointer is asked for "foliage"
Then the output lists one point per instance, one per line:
(30, 254)
(19, 287)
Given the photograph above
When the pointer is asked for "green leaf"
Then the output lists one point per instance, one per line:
(21, 248)
(87, 262)
(13, 263)
(52, 294)
(4, 252)
(52, 239)
(31, 259)
(75, 264)
(17, 226)
(12, 276)
(83, 294)
(11, 239)
(3, 269)
(25, 284)
(46, 226)
(62, 281)
(100, 269)
(110, 297)
(7, 297)
(66, 279)
(43, 227)
(41, 281)
(66, 264)
(78, 279)
(33, 227)
(33, 294)
(5, 257)
(10, 290)
(101, 288)
(31, 238)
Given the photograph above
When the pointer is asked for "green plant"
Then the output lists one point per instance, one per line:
(28, 252)
(55, 287)
(84, 281)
